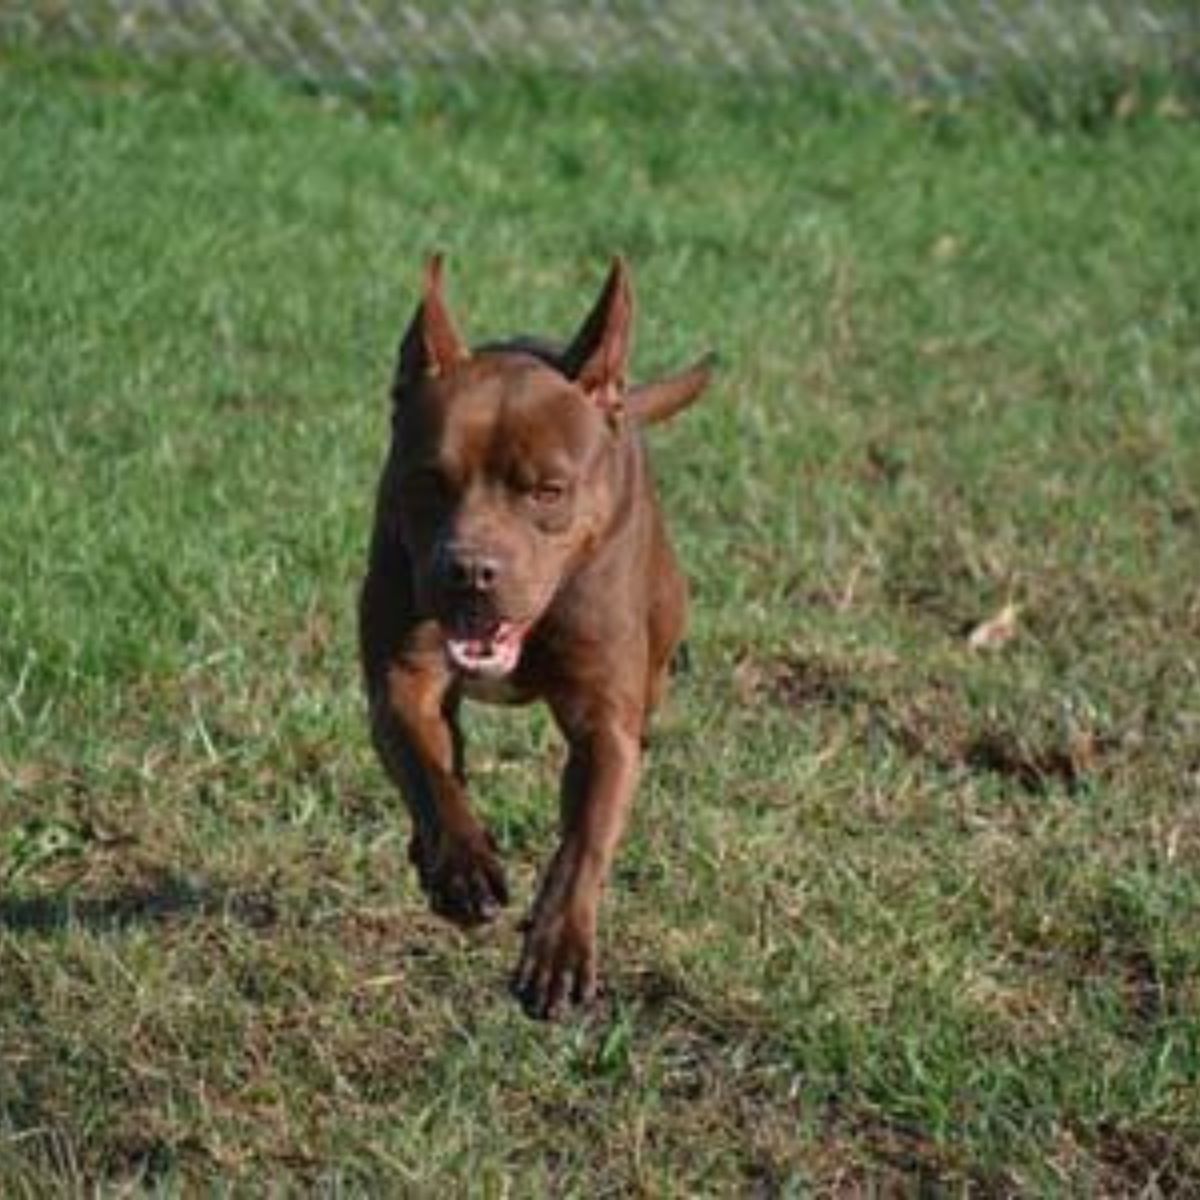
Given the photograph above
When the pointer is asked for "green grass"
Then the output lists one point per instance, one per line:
(893, 914)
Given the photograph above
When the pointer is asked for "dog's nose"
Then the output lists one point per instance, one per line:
(470, 570)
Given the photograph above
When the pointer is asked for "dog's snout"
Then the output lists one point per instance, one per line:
(469, 569)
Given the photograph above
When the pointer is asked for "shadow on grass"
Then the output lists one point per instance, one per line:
(165, 898)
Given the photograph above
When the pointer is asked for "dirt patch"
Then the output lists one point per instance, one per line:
(929, 721)
(1146, 1161)
(901, 1160)
(797, 681)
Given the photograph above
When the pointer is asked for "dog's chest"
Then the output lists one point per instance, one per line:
(494, 691)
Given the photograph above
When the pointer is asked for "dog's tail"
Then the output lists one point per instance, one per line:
(661, 399)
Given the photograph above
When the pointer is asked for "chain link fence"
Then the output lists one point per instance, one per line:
(910, 46)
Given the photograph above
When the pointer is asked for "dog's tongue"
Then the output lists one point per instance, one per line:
(491, 652)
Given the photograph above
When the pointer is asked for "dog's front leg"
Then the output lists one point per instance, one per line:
(413, 720)
(558, 960)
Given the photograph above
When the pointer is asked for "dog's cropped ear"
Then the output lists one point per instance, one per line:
(432, 344)
(598, 357)
(661, 399)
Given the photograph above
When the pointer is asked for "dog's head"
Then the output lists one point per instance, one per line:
(507, 465)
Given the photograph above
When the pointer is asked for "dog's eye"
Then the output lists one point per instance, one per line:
(548, 491)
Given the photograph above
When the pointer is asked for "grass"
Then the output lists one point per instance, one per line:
(895, 915)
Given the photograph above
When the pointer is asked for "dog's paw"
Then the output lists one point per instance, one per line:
(557, 967)
(463, 878)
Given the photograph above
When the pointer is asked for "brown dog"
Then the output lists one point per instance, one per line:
(519, 553)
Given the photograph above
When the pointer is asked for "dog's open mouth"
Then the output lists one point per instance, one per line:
(487, 650)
